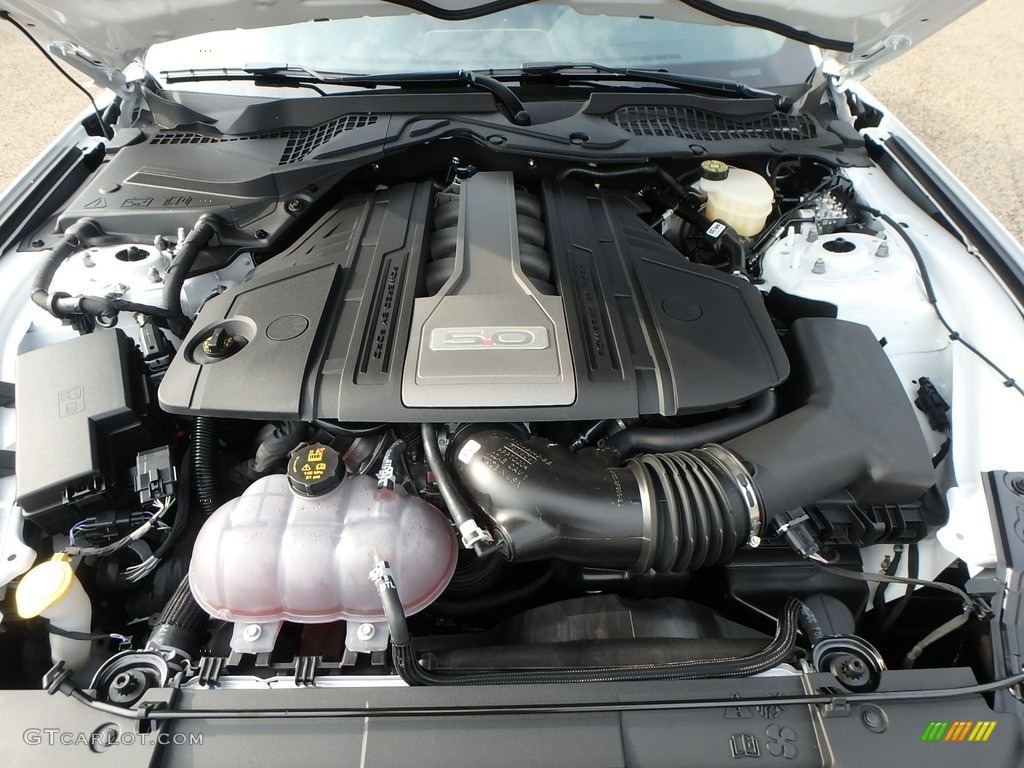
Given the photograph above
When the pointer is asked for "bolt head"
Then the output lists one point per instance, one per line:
(754, 542)
(252, 632)
(366, 631)
(125, 683)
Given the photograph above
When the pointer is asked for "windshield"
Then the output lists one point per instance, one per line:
(406, 42)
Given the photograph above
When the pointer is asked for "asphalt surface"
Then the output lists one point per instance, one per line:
(962, 92)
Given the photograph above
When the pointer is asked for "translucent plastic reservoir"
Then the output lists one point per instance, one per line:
(272, 555)
(743, 200)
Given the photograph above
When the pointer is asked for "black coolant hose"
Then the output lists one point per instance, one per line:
(204, 463)
(472, 534)
(778, 650)
(177, 271)
(758, 411)
(181, 622)
(391, 472)
(632, 172)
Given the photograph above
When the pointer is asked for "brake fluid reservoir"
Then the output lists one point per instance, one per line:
(300, 547)
(742, 199)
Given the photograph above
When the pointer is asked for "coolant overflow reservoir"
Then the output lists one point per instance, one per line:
(742, 199)
(274, 554)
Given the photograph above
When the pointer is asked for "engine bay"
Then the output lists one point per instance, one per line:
(459, 414)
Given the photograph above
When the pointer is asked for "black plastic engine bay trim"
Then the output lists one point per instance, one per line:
(157, 713)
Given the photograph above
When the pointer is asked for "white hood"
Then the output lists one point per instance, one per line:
(102, 37)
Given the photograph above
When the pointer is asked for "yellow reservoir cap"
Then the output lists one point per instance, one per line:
(46, 584)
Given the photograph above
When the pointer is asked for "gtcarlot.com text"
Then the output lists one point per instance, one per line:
(107, 737)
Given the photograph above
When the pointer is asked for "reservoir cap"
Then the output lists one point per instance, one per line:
(714, 170)
(314, 469)
(46, 584)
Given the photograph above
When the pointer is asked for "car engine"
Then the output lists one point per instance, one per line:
(469, 422)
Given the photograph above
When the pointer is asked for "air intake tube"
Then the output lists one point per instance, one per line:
(667, 512)
(854, 429)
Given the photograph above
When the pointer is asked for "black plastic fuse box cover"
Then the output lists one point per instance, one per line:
(81, 407)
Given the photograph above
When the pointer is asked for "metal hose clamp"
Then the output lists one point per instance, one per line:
(733, 466)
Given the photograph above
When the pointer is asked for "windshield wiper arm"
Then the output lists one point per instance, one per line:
(284, 75)
(274, 75)
(502, 93)
(710, 85)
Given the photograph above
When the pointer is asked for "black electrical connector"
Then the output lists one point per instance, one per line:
(932, 404)
(157, 350)
(155, 475)
(795, 528)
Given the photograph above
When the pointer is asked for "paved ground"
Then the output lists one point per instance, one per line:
(948, 91)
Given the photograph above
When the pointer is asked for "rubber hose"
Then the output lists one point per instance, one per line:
(625, 173)
(180, 623)
(204, 463)
(70, 243)
(384, 580)
(810, 625)
(459, 510)
(184, 259)
(778, 650)
(759, 411)
(391, 472)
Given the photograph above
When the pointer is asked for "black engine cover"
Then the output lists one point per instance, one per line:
(327, 324)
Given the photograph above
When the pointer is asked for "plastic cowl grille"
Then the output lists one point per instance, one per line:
(689, 123)
(300, 142)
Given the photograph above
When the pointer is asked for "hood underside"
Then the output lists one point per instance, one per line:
(103, 37)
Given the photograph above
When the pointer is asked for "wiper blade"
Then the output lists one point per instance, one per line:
(709, 85)
(274, 75)
(502, 93)
(284, 75)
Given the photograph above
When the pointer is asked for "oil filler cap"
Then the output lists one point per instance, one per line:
(314, 469)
